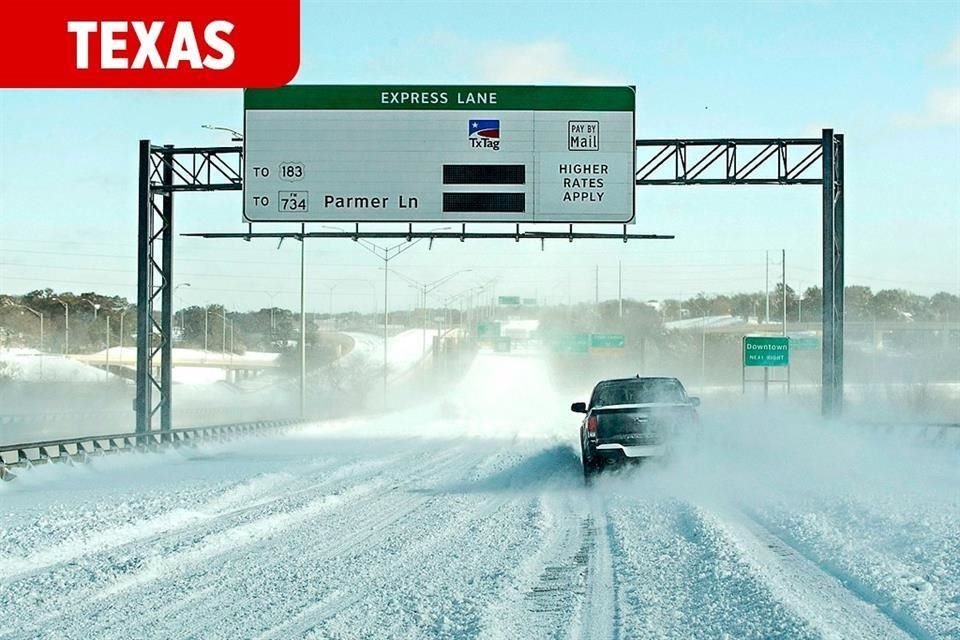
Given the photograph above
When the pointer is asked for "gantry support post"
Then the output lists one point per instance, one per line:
(833, 282)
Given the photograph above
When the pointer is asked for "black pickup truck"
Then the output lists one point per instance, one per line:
(630, 419)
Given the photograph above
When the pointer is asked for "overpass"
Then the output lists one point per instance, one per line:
(123, 360)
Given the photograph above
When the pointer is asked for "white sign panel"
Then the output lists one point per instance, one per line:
(437, 153)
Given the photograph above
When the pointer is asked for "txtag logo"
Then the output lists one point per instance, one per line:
(484, 134)
(173, 44)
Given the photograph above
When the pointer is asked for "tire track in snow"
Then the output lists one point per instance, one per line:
(243, 496)
(599, 615)
(835, 602)
(564, 588)
(173, 553)
(541, 601)
(479, 542)
(677, 577)
(257, 573)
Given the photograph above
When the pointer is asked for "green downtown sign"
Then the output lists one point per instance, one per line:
(766, 351)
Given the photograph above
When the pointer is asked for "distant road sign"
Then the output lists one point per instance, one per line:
(366, 153)
(508, 301)
(571, 342)
(488, 329)
(766, 351)
(804, 343)
(607, 341)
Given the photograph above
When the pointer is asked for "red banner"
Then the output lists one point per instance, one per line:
(127, 43)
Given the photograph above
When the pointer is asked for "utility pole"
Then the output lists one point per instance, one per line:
(303, 324)
(107, 352)
(596, 286)
(123, 312)
(783, 285)
(620, 286)
(766, 290)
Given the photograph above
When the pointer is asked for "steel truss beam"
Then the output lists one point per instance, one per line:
(781, 161)
(729, 161)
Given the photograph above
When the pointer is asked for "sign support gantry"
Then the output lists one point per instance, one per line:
(771, 161)
(164, 171)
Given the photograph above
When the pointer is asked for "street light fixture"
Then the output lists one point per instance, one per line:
(96, 307)
(236, 136)
(182, 284)
(34, 312)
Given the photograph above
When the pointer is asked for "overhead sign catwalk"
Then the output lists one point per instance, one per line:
(439, 153)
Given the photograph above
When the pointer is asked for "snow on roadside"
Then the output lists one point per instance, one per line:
(875, 511)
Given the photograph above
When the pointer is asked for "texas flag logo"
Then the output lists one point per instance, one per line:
(484, 134)
(485, 129)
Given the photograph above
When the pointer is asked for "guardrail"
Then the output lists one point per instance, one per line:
(928, 431)
(83, 447)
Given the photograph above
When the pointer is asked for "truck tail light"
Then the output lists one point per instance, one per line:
(592, 425)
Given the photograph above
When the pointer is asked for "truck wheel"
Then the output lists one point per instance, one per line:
(590, 469)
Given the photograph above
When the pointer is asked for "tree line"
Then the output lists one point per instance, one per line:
(97, 321)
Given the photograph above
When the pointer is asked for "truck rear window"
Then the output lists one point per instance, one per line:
(639, 392)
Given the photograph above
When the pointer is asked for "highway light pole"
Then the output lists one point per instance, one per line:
(66, 326)
(703, 345)
(424, 289)
(386, 254)
(123, 312)
(303, 324)
(223, 334)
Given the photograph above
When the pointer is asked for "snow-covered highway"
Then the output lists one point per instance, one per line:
(468, 517)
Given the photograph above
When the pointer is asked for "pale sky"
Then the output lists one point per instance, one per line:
(887, 75)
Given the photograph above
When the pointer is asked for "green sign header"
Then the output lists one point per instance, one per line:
(766, 351)
(442, 98)
(508, 300)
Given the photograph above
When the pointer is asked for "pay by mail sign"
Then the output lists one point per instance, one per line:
(170, 44)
